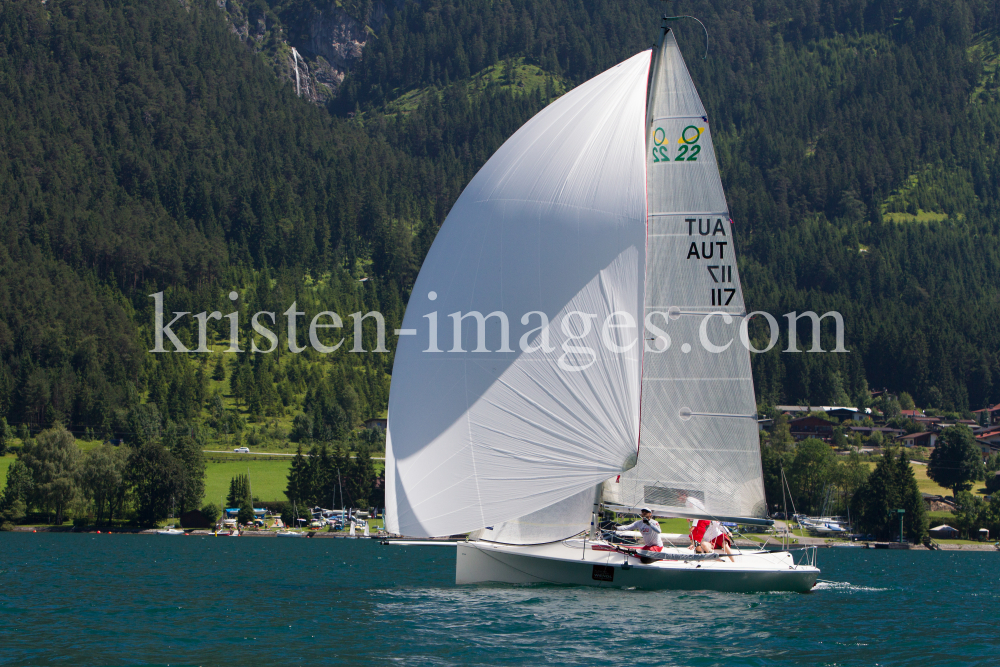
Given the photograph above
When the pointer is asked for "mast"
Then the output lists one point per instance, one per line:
(339, 484)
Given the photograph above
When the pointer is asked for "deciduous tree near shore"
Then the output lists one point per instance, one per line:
(102, 476)
(157, 479)
(956, 461)
(53, 458)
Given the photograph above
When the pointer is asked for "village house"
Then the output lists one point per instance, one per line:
(925, 439)
(991, 436)
(987, 448)
(879, 393)
(866, 431)
(838, 411)
(992, 413)
(811, 427)
(793, 410)
(379, 423)
(944, 532)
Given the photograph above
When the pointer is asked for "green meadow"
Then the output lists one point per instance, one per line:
(5, 463)
(268, 477)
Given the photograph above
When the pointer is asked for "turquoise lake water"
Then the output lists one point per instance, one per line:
(136, 599)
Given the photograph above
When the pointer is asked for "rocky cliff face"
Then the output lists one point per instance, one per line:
(312, 48)
(249, 25)
(335, 40)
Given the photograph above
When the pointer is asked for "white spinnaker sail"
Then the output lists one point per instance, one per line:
(554, 223)
(699, 451)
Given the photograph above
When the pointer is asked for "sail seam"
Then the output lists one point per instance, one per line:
(697, 379)
(736, 313)
(472, 445)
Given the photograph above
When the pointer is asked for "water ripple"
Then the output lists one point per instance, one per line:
(121, 599)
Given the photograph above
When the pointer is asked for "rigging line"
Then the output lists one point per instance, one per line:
(719, 414)
(695, 379)
(739, 314)
(707, 214)
(784, 508)
(678, 18)
(679, 117)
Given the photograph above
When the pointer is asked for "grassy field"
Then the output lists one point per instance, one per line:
(268, 478)
(927, 485)
(674, 526)
(921, 216)
(268, 475)
(525, 78)
(5, 462)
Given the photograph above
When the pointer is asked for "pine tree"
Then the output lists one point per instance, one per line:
(246, 515)
(299, 484)
(239, 488)
(890, 487)
(219, 370)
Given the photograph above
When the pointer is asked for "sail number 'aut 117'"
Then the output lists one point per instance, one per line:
(601, 228)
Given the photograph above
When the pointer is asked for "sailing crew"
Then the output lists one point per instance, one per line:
(717, 536)
(697, 536)
(650, 529)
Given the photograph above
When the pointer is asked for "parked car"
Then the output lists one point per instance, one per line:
(242, 450)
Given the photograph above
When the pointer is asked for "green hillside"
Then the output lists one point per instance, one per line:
(146, 149)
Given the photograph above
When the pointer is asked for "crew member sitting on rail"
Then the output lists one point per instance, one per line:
(717, 536)
(697, 535)
(650, 529)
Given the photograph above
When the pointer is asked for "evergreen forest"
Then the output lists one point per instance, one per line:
(146, 150)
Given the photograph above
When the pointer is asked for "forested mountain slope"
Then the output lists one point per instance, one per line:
(833, 120)
(145, 148)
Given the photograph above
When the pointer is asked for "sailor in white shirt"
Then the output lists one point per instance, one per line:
(650, 529)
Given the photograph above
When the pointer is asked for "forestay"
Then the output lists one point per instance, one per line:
(698, 452)
(553, 223)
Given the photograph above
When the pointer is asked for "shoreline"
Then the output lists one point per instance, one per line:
(975, 547)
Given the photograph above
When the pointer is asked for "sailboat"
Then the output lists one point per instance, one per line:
(601, 228)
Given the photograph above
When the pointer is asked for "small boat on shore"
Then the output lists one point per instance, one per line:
(170, 531)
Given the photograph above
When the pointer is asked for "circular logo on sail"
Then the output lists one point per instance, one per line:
(690, 134)
(659, 136)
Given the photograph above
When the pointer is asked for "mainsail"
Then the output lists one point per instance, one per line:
(485, 427)
(699, 452)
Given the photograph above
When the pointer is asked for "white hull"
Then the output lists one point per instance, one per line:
(573, 562)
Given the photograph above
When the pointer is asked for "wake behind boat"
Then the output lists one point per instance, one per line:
(602, 227)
